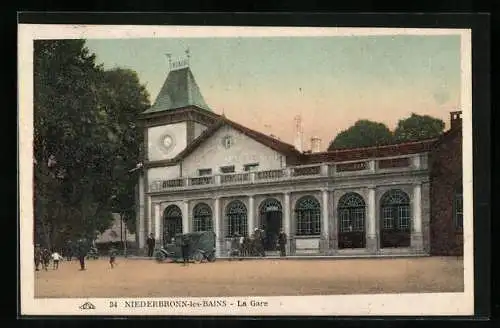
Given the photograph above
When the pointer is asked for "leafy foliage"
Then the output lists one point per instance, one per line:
(366, 133)
(83, 119)
(363, 133)
(418, 127)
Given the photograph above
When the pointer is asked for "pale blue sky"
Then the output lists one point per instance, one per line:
(331, 81)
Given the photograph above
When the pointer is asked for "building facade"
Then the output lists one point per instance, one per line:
(203, 171)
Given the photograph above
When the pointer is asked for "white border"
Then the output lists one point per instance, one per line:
(379, 304)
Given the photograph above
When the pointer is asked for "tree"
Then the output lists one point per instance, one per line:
(363, 133)
(418, 127)
(122, 99)
(82, 123)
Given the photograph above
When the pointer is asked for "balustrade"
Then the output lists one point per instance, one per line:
(306, 170)
(320, 170)
(235, 178)
(269, 175)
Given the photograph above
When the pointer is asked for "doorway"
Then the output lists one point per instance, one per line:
(172, 223)
(271, 215)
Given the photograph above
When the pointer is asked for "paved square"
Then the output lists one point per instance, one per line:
(146, 278)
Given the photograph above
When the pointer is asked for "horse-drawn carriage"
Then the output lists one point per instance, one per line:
(201, 247)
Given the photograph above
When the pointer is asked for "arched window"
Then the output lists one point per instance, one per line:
(270, 205)
(236, 219)
(202, 218)
(396, 214)
(308, 216)
(172, 222)
(351, 213)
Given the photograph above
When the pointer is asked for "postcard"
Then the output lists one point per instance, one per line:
(204, 170)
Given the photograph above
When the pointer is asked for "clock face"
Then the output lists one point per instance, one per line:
(167, 142)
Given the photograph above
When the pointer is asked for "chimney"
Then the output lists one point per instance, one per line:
(315, 144)
(298, 133)
(455, 119)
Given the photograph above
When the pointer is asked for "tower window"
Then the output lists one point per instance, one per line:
(202, 172)
(251, 167)
(227, 169)
(227, 142)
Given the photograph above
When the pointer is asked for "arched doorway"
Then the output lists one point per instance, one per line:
(395, 219)
(202, 218)
(271, 215)
(351, 213)
(236, 219)
(172, 222)
(308, 217)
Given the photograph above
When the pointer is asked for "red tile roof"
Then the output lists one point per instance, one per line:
(353, 154)
(294, 157)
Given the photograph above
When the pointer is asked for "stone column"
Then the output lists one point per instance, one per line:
(251, 215)
(334, 234)
(416, 236)
(325, 226)
(371, 233)
(185, 217)
(287, 222)
(140, 214)
(157, 219)
(218, 228)
(150, 216)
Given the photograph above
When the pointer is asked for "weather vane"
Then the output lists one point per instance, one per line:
(179, 63)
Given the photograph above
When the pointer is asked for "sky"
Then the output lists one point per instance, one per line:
(330, 81)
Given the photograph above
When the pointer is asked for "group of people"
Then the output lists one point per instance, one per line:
(254, 245)
(43, 256)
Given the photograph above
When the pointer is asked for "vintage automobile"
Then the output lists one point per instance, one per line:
(201, 247)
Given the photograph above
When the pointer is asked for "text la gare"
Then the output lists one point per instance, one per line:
(252, 303)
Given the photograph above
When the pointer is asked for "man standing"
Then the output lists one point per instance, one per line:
(38, 257)
(151, 245)
(259, 242)
(185, 250)
(282, 243)
(82, 250)
(112, 257)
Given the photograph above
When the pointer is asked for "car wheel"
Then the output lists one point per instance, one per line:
(160, 257)
(198, 257)
(211, 257)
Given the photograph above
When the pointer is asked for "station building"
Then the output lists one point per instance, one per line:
(203, 171)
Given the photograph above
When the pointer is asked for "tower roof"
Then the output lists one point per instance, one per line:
(179, 90)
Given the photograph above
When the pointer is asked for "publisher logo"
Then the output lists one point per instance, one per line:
(87, 306)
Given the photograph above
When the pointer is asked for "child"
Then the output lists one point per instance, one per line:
(55, 260)
(112, 257)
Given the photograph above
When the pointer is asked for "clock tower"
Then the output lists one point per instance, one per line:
(178, 115)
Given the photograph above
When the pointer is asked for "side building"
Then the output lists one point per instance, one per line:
(203, 171)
